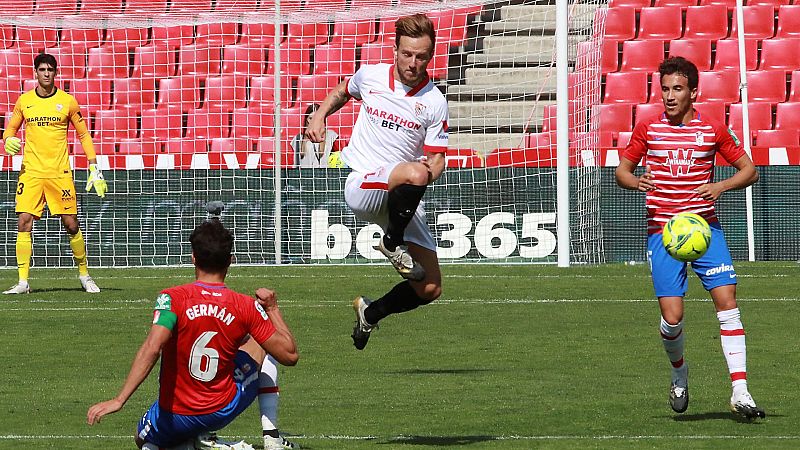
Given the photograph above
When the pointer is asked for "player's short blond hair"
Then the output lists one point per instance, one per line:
(415, 26)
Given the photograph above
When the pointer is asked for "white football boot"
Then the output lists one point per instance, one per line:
(89, 285)
(744, 405)
(22, 287)
(403, 263)
(362, 328)
(679, 389)
(278, 443)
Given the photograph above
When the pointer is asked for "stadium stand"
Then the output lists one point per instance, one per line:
(706, 22)
(727, 54)
(661, 23)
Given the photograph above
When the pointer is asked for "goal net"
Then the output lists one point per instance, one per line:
(185, 107)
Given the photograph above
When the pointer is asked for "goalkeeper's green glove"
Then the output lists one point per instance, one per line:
(13, 144)
(96, 179)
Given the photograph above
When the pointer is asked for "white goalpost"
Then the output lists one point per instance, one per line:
(191, 102)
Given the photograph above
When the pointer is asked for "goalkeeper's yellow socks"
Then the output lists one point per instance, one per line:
(79, 252)
(24, 251)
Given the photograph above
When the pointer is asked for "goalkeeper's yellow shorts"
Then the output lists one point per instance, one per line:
(58, 193)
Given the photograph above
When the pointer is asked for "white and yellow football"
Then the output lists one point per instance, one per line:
(686, 237)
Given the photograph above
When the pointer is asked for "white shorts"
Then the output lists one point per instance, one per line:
(368, 195)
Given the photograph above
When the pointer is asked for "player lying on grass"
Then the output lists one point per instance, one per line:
(396, 151)
(211, 341)
(46, 175)
(679, 147)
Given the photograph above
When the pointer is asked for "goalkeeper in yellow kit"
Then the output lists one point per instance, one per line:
(46, 176)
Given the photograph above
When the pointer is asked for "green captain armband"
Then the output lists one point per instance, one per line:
(163, 314)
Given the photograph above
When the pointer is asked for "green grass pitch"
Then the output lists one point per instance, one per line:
(511, 357)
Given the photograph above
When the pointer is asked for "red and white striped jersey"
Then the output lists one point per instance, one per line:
(681, 159)
(396, 123)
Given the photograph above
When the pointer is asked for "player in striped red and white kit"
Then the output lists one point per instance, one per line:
(678, 148)
(396, 150)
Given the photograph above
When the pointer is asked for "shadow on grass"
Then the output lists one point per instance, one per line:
(717, 416)
(439, 440)
(437, 371)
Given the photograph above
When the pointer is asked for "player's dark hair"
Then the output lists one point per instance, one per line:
(212, 246)
(310, 109)
(45, 58)
(681, 66)
(415, 26)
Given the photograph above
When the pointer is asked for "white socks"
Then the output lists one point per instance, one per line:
(733, 347)
(672, 338)
(268, 394)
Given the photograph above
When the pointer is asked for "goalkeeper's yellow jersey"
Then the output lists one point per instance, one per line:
(46, 122)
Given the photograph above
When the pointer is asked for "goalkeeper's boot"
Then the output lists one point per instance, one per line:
(22, 287)
(679, 389)
(278, 443)
(402, 261)
(744, 405)
(210, 441)
(89, 285)
(362, 329)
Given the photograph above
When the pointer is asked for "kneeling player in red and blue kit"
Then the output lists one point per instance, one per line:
(212, 341)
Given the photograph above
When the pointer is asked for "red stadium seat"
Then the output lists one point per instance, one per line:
(60, 8)
(438, 67)
(101, 7)
(451, 25)
(151, 63)
(161, 124)
(697, 51)
(342, 121)
(178, 92)
(788, 21)
(620, 23)
(326, 5)
(146, 6)
(133, 94)
(229, 145)
(787, 116)
(335, 58)
(359, 32)
(377, 52)
(615, 117)
(10, 90)
(6, 36)
(760, 115)
(314, 88)
(780, 54)
(36, 38)
(646, 111)
(224, 93)
(217, 34)
(727, 54)
(549, 118)
(184, 146)
(262, 91)
(20, 7)
(92, 94)
(112, 125)
(540, 140)
(660, 23)
(774, 3)
(609, 55)
(81, 38)
(718, 87)
(126, 37)
(295, 59)
(16, 63)
(794, 92)
(676, 3)
(253, 122)
(199, 60)
(308, 33)
(759, 22)
(766, 86)
(244, 59)
(713, 111)
(193, 6)
(71, 61)
(266, 146)
(730, 4)
(358, 4)
(626, 87)
(386, 28)
(204, 124)
(706, 22)
(258, 34)
(107, 62)
(638, 4)
(172, 36)
(135, 146)
(777, 138)
(642, 56)
(243, 6)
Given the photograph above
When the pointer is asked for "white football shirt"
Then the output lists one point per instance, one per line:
(396, 123)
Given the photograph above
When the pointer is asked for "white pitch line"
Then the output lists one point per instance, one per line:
(20, 437)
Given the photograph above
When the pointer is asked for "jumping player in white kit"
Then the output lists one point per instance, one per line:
(396, 150)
